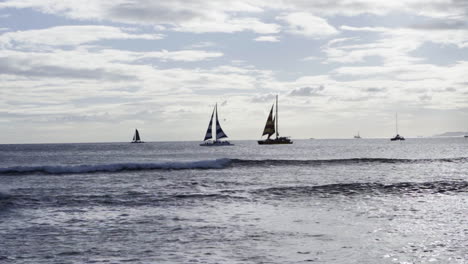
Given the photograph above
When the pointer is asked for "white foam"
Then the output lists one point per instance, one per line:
(170, 165)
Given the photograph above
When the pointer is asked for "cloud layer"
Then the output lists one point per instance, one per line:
(161, 65)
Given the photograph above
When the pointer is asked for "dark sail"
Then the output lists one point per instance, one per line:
(208, 134)
(219, 131)
(270, 124)
(136, 137)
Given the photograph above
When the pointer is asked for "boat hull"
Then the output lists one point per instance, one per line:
(216, 144)
(276, 141)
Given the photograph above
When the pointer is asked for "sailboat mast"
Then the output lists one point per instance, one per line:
(216, 116)
(277, 133)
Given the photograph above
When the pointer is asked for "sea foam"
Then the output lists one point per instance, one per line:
(115, 167)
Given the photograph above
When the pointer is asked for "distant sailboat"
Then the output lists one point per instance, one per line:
(357, 136)
(397, 137)
(271, 129)
(136, 137)
(219, 132)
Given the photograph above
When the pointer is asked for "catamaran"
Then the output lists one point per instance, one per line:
(397, 137)
(271, 127)
(219, 132)
(136, 137)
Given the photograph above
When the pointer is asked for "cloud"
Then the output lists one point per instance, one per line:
(227, 26)
(305, 24)
(392, 45)
(428, 8)
(307, 91)
(197, 16)
(425, 97)
(368, 29)
(267, 38)
(441, 25)
(69, 36)
(310, 58)
(375, 90)
(200, 45)
(181, 55)
(263, 98)
(36, 67)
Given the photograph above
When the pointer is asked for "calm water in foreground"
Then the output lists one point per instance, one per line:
(316, 201)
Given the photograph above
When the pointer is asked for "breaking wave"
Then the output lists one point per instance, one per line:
(205, 164)
(116, 167)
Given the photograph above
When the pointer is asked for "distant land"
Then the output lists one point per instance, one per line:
(451, 134)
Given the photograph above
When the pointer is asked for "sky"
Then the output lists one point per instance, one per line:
(93, 71)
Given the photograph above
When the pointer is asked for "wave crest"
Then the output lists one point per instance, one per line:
(116, 167)
(206, 164)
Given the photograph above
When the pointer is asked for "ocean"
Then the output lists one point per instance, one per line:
(316, 201)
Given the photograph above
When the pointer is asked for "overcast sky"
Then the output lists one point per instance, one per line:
(90, 71)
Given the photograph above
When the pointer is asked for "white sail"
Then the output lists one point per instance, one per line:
(219, 131)
(208, 134)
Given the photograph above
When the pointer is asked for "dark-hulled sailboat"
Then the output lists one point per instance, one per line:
(208, 142)
(357, 136)
(397, 137)
(136, 137)
(271, 127)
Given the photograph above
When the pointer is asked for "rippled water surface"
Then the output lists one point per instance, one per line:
(316, 201)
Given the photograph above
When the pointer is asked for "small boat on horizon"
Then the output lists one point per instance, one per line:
(136, 137)
(397, 137)
(271, 127)
(219, 133)
(357, 136)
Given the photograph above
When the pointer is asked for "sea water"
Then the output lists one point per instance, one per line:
(316, 201)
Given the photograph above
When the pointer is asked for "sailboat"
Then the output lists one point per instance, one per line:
(357, 136)
(397, 137)
(219, 132)
(271, 127)
(136, 137)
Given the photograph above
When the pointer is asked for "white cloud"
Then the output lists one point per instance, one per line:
(69, 35)
(307, 25)
(369, 29)
(227, 26)
(393, 45)
(310, 58)
(203, 44)
(60, 76)
(197, 16)
(180, 55)
(431, 8)
(267, 39)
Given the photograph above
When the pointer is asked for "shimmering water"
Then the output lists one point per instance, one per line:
(316, 201)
